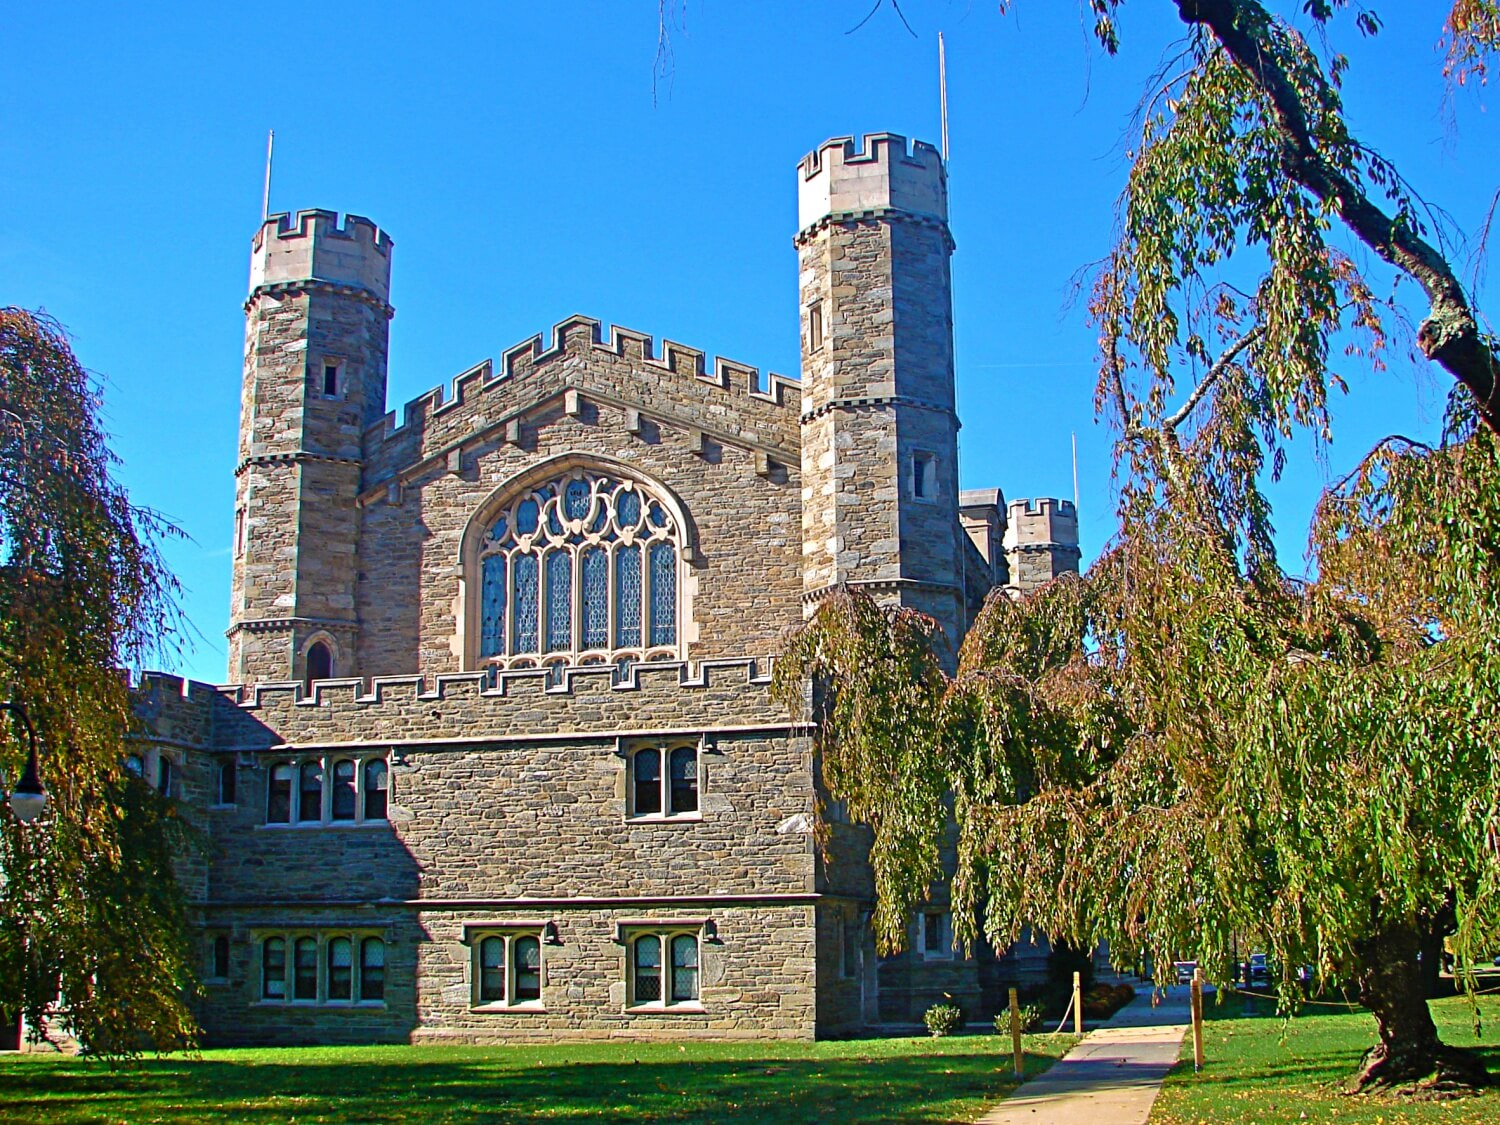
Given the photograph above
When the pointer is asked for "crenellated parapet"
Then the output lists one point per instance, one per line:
(843, 179)
(658, 697)
(315, 247)
(1041, 541)
(577, 361)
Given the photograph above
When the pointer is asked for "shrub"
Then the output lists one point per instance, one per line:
(1031, 1019)
(943, 1019)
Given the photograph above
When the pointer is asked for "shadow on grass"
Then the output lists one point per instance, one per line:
(503, 1086)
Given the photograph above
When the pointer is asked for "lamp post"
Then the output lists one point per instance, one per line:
(28, 798)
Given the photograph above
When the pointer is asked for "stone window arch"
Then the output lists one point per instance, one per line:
(577, 562)
(319, 658)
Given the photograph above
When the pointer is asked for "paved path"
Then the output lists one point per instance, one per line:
(1112, 1077)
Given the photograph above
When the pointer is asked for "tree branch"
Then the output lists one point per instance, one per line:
(1219, 367)
(1449, 335)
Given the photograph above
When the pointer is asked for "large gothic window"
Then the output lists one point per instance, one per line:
(582, 569)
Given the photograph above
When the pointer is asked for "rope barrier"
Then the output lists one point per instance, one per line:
(1068, 1012)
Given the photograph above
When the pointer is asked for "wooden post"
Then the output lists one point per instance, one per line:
(1077, 1004)
(1197, 995)
(1015, 1035)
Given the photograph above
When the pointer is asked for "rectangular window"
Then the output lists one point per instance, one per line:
(937, 934)
(239, 531)
(815, 326)
(850, 964)
(218, 957)
(228, 775)
(331, 379)
(164, 775)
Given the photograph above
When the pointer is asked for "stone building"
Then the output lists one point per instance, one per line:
(500, 761)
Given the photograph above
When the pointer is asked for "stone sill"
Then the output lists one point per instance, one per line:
(323, 1005)
(656, 818)
(307, 825)
(528, 1007)
(671, 1010)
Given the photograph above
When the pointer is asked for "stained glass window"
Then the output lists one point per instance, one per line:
(627, 597)
(525, 599)
(595, 567)
(559, 601)
(556, 578)
(663, 594)
(492, 624)
(340, 969)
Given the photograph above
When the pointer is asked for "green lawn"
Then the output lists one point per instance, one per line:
(908, 1080)
(1263, 1070)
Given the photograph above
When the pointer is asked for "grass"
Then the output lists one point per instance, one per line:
(1264, 1070)
(908, 1080)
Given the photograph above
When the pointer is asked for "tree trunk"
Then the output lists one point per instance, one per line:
(1393, 988)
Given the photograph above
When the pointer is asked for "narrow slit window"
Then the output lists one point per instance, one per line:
(923, 476)
(228, 778)
(219, 958)
(492, 970)
(319, 663)
(815, 326)
(528, 953)
(331, 379)
(684, 768)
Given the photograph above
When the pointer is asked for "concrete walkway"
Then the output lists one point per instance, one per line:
(1112, 1077)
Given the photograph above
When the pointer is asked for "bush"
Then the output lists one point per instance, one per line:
(943, 1019)
(1031, 1019)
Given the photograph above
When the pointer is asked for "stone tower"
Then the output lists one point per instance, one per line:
(879, 429)
(1041, 542)
(316, 331)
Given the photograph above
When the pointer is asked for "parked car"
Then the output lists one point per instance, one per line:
(1258, 969)
(1185, 971)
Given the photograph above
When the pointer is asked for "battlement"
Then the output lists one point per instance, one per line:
(839, 177)
(316, 246)
(578, 333)
(1042, 521)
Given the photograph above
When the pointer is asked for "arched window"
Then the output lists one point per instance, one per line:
(319, 663)
(647, 777)
(528, 952)
(585, 566)
(647, 969)
(377, 789)
(273, 969)
(279, 794)
(305, 969)
(344, 778)
(684, 792)
(340, 969)
(372, 969)
(310, 792)
(684, 968)
(492, 970)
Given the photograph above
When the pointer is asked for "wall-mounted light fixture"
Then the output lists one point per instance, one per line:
(711, 931)
(550, 934)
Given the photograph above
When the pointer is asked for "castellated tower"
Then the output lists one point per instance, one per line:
(1041, 542)
(316, 331)
(880, 507)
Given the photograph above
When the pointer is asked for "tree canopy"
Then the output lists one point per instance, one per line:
(1187, 747)
(91, 916)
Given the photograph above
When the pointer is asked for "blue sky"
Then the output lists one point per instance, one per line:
(516, 153)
